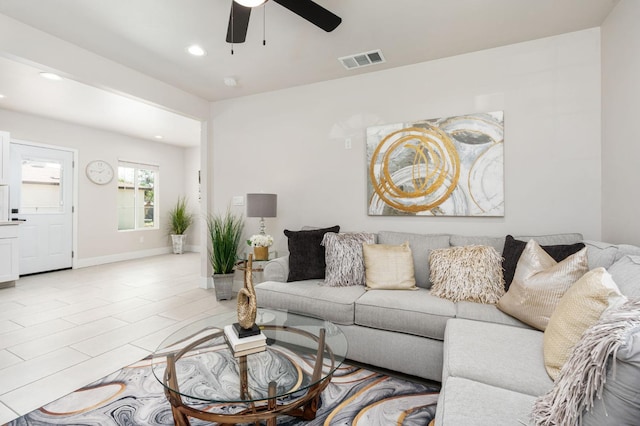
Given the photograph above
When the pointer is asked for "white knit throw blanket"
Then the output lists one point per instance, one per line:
(582, 377)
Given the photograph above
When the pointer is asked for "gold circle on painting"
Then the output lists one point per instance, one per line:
(434, 159)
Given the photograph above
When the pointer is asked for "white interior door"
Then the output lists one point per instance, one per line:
(41, 196)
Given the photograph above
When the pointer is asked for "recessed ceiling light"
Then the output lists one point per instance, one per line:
(196, 50)
(158, 136)
(50, 76)
(2, 96)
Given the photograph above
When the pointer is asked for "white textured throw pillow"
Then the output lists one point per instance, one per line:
(472, 273)
(389, 267)
(344, 258)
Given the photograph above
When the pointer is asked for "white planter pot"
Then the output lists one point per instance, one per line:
(178, 243)
(223, 284)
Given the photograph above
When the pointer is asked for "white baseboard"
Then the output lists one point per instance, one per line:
(192, 248)
(206, 282)
(101, 260)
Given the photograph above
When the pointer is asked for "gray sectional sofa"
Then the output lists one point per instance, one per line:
(490, 364)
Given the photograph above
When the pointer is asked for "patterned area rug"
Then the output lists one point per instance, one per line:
(133, 396)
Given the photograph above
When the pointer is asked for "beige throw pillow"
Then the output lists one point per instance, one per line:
(580, 308)
(539, 283)
(389, 267)
(472, 273)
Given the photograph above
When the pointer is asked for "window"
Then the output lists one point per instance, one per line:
(40, 188)
(137, 195)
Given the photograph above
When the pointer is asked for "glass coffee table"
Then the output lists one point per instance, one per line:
(203, 379)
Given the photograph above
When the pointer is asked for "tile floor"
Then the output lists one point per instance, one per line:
(62, 330)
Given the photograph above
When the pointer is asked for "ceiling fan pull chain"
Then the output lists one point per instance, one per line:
(264, 24)
(232, 33)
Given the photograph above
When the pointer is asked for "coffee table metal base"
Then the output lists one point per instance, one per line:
(305, 407)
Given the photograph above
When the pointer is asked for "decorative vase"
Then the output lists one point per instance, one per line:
(223, 285)
(247, 305)
(261, 253)
(178, 243)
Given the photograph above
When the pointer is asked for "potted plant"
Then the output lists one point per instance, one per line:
(260, 244)
(225, 235)
(179, 221)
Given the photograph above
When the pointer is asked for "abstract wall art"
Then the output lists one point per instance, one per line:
(452, 166)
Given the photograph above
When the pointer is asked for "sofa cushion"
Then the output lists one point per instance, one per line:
(497, 355)
(600, 254)
(277, 269)
(413, 312)
(579, 308)
(344, 259)
(625, 273)
(306, 253)
(311, 298)
(472, 273)
(388, 267)
(626, 249)
(552, 239)
(539, 283)
(463, 240)
(465, 402)
(513, 249)
(487, 313)
(420, 245)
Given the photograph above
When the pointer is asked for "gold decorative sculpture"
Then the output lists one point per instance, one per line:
(247, 305)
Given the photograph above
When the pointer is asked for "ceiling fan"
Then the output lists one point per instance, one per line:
(306, 9)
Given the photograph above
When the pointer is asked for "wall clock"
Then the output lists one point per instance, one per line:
(99, 172)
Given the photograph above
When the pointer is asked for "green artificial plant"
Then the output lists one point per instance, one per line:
(225, 235)
(179, 218)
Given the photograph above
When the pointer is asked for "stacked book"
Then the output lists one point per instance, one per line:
(254, 342)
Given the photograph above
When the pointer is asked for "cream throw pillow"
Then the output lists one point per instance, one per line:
(389, 267)
(472, 273)
(539, 283)
(580, 308)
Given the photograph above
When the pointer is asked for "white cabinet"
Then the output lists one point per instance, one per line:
(8, 253)
(4, 158)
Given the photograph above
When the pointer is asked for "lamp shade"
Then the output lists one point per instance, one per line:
(262, 205)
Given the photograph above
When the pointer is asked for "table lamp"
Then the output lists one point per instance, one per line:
(262, 205)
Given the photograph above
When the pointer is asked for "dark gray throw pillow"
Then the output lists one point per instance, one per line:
(513, 249)
(306, 253)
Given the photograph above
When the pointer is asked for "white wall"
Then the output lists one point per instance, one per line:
(620, 107)
(192, 192)
(98, 238)
(291, 142)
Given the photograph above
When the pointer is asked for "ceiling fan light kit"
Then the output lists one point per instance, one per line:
(306, 9)
(251, 3)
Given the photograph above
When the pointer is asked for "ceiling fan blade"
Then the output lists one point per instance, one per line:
(312, 12)
(238, 23)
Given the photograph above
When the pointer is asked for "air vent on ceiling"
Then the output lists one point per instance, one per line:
(362, 59)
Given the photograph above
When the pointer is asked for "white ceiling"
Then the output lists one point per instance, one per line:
(151, 36)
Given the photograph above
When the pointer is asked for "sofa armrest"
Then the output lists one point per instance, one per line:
(277, 269)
